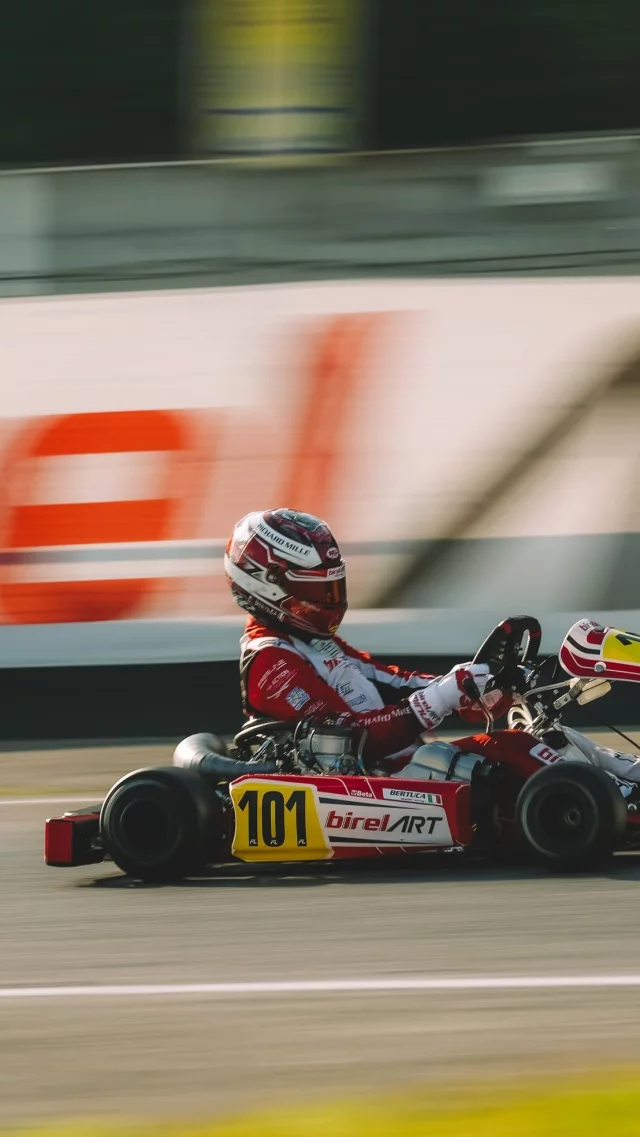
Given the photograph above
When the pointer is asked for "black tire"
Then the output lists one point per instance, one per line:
(571, 816)
(161, 824)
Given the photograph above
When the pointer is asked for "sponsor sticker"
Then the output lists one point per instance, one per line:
(271, 672)
(545, 754)
(297, 698)
(588, 625)
(279, 683)
(419, 703)
(333, 553)
(336, 573)
(412, 795)
(291, 549)
(359, 701)
(327, 649)
(396, 827)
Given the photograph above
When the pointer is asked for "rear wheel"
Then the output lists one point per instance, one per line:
(161, 824)
(571, 816)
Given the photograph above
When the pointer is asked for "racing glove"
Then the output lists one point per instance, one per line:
(446, 694)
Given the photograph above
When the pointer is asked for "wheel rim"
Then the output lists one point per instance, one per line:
(565, 819)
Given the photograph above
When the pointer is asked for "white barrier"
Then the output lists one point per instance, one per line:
(134, 430)
(385, 632)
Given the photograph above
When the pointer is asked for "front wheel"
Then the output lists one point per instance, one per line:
(161, 824)
(571, 816)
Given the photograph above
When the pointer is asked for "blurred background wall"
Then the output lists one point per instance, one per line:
(115, 80)
(538, 207)
(425, 219)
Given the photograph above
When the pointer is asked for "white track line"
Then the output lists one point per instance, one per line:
(48, 800)
(324, 986)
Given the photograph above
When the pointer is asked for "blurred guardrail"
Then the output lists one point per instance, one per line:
(561, 205)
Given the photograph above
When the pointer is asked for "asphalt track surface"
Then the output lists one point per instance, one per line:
(137, 1053)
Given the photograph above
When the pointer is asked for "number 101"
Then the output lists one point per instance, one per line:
(272, 818)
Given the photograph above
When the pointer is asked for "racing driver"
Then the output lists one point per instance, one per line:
(285, 569)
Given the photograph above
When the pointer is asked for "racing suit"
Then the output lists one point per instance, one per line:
(284, 677)
(287, 678)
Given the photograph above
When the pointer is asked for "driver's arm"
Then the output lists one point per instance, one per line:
(285, 686)
(387, 673)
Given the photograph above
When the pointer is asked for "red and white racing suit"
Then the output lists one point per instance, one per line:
(284, 677)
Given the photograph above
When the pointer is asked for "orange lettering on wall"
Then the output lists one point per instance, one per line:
(33, 530)
(334, 371)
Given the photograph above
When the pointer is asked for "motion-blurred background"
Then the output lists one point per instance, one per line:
(379, 260)
(128, 80)
(374, 260)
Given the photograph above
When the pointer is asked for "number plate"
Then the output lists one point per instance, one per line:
(622, 647)
(277, 821)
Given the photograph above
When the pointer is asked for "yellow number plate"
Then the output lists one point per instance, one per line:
(621, 647)
(277, 821)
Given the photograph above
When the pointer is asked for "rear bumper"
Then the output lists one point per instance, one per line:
(73, 840)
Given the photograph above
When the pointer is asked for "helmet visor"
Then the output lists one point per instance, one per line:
(319, 590)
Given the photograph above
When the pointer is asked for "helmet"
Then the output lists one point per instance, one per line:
(285, 568)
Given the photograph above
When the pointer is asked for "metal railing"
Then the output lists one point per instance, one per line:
(563, 205)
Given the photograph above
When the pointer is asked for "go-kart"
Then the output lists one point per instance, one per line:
(300, 792)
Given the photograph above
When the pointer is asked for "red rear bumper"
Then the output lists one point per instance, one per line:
(71, 840)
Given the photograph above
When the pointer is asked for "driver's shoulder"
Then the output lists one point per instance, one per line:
(258, 638)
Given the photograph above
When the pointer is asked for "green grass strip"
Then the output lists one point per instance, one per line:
(580, 1109)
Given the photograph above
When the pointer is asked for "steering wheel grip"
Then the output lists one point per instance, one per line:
(503, 648)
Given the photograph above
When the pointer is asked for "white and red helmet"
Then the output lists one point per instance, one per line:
(285, 568)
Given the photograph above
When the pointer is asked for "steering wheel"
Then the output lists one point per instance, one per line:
(514, 642)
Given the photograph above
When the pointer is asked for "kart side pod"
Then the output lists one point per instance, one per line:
(443, 762)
